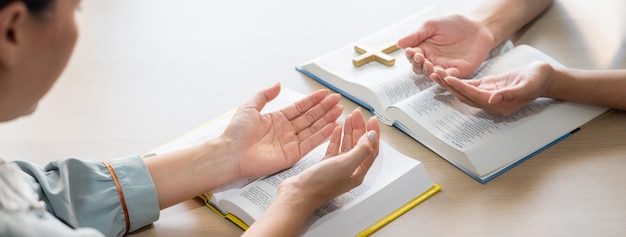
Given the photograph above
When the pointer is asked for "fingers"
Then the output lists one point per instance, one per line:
(409, 53)
(358, 125)
(419, 63)
(466, 93)
(438, 75)
(356, 162)
(427, 67)
(309, 115)
(304, 128)
(373, 125)
(512, 93)
(313, 119)
(347, 170)
(508, 100)
(346, 143)
(364, 153)
(305, 104)
(340, 173)
(309, 143)
(452, 71)
(495, 98)
(334, 143)
(354, 127)
(470, 91)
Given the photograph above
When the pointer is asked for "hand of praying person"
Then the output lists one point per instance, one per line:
(504, 93)
(457, 43)
(343, 168)
(261, 144)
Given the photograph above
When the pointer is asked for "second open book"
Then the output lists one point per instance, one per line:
(480, 144)
(393, 185)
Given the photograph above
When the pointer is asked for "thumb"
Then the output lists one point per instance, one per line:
(507, 94)
(455, 72)
(414, 39)
(262, 97)
(364, 152)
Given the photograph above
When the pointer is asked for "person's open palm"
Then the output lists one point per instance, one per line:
(504, 93)
(344, 166)
(265, 143)
(456, 43)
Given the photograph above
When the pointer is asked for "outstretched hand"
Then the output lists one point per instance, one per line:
(265, 143)
(504, 93)
(345, 165)
(455, 43)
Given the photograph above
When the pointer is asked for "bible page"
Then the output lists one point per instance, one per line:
(375, 84)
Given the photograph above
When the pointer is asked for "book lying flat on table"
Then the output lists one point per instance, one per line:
(394, 184)
(482, 145)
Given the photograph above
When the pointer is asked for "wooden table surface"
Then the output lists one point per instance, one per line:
(147, 71)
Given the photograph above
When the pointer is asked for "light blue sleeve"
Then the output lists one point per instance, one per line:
(30, 223)
(85, 193)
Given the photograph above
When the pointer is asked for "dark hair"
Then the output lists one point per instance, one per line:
(34, 6)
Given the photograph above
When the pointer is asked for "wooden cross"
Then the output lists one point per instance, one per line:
(368, 55)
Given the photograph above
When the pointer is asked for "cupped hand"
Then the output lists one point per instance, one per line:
(503, 93)
(344, 167)
(261, 144)
(456, 43)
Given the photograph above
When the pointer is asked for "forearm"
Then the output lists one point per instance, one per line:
(505, 17)
(596, 87)
(184, 174)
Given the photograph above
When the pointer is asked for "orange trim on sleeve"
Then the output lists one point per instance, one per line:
(121, 193)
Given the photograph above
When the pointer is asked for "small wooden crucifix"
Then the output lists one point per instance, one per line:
(368, 55)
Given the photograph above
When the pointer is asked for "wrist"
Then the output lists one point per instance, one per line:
(554, 81)
(216, 156)
(295, 196)
(491, 29)
(290, 209)
(185, 173)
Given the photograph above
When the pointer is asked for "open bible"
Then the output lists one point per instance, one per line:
(480, 144)
(394, 184)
